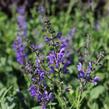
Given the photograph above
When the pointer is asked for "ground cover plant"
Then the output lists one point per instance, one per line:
(61, 62)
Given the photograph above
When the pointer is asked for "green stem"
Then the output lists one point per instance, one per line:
(78, 102)
(79, 98)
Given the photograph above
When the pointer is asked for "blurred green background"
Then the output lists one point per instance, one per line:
(89, 18)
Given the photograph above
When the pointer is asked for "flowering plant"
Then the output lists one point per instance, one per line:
(49, 70)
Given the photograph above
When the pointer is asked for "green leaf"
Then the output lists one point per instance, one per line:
(37, 107)
(93, 106)
(2, 91)
(96, 92)
(6, 91)
(52, 104)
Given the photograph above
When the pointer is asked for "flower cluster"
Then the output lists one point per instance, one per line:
(19, 48)
(85, 74)
(21, 20)
(86, 67)
(57, 61)
(38, 87)
(60, 57)
(42, 96)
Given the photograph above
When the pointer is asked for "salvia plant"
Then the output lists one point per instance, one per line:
(48, 71)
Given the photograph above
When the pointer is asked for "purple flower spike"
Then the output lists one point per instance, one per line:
(43, 106)
(81, 74)
(47, 39)
(40, 72)
(21, 20)
(79, 67)
(52, 70)
(33, 90)
(51, 58)
(45, 95)
(59, 34)
(19, 49)
(95, 80)
(37, 63)
(50, 96)
(88, 76)
(89, 69)
(61, 54)
(21, 10)
(90, 65)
